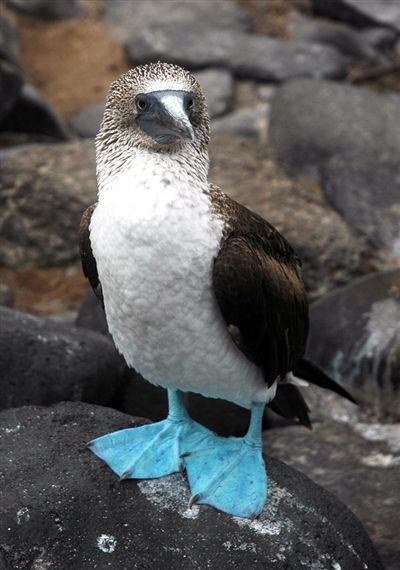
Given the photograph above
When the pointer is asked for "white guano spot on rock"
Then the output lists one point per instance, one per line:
(106, 543)
(269, 522)
(243, 546)
(381, 460)
(389, 434)
(13, 429)
(41, 564)
(23, 515)
(169, 493)
(381, 328)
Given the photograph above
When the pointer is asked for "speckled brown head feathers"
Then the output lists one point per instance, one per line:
(119, 121)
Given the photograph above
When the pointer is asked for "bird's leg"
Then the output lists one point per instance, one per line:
(148, 451)
(253, 436)
(176, 408)
(229, 472)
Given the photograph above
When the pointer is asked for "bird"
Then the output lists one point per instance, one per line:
(200, 293)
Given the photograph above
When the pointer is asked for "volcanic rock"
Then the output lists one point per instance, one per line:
(8, 42)
(217, 86)
(47, 9)
(10, 86)
(372, 12)
(249, 122)
(44, 189)
(246, 55)
(43, 362)
(87, 122)
(349, 41)
(59, 502)
(349, 139)
(355, 337)
(31, 113)
(359, 462)
(127, 22)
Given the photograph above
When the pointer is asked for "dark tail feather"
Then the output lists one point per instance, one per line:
(290, 404)
(310, 372)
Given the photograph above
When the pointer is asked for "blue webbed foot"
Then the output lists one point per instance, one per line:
(229, 474)
(143, 452)
(152, 450)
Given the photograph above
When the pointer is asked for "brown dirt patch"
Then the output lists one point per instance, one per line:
(46, 291)
(71, 62)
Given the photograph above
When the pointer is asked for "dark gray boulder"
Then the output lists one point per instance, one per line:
(355, 337)
(46, 9)
(246, 55)
(127, 21)
(44, 189)
(91, 315)
(251, 122)
(43, 362)
(361, 13)
(380, 38)
(87, 122)
(217, 85)
(60, 503)
(31, 113)
(189, 46)
(360, 463)
(366, 195)
(11, 75)
(9, 49)
(272, 59)
(349, 139)
(312, 121)
(349, 41)
(11, 81)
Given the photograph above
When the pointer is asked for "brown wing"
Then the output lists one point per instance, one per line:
(88, 261)
(262, 298)
(261, 294)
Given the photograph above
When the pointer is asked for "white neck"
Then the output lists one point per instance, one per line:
(188, 164)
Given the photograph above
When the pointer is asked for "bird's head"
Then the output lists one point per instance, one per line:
(158, 107)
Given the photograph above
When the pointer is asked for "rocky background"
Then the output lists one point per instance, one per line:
(304, 97)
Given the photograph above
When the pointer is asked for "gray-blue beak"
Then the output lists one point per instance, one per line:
(165, 115)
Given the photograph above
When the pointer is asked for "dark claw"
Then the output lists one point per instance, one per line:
(185, 454)
(125, 475)
(182, 469)
(193, 499)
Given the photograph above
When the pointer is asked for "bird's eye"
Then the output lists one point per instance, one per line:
(141, 103)
(190, 103)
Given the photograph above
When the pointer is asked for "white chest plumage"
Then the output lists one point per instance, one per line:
(154, 239)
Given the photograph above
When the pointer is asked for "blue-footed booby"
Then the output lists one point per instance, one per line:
(200, 293)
